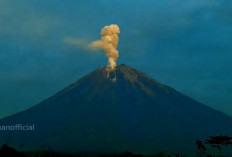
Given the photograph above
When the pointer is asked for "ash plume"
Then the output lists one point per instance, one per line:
(109, 43)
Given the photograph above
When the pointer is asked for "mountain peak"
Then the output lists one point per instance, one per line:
(123, 70)
(104, 79)
(119, 67)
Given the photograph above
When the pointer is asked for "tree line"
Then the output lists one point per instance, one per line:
(217, 142)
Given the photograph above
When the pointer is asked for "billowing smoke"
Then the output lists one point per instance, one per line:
(109, 43)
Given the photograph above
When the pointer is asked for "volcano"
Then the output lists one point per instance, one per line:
(123, 110)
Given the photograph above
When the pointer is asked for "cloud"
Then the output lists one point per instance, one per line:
(5, 9)
(24, 20)
(79, 43)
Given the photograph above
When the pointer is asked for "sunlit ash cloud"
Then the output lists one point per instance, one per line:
(108, 43)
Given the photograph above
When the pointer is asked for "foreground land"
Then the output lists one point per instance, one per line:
(7, 151)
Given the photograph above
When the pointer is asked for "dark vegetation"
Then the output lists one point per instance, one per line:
(7, 151)
(217, 142)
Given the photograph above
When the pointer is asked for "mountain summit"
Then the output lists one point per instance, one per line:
(123, 110)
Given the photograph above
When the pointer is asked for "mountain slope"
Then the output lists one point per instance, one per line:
(125, 110)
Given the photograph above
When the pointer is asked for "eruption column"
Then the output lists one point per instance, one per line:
(109, 43)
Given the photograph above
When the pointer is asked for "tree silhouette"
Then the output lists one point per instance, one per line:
(201, 148)
(219, 141)
(5, 150)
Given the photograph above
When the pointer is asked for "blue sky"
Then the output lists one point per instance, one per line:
(183, 44)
